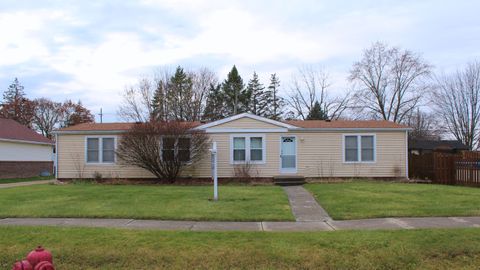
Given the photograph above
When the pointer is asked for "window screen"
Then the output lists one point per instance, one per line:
(93, 150)
(239, 149)
(108, 150)
(351, 148)
(256, 148)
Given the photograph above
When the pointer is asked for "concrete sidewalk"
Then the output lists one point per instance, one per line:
(29, 183)
(299, 226)
(309, 216)
(304, 206)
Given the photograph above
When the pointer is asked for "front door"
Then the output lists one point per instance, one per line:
(288, 155)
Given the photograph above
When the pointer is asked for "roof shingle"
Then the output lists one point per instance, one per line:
(345, 124)
(12, 130)
(298, 123)
(108, 126)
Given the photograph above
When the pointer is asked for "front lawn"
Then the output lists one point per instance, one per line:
(237, 203)
(369, 199)
(17, 180)
(98, 248)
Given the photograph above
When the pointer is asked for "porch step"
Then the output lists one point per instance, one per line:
(293, 180)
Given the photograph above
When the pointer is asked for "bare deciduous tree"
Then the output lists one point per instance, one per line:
(162, 148)
(75, 113)
(425, 126)
(311, 85)
(161, 99)
(136, 105)
(202, 80)
(47, 115)
(457, 100)
(391, 82)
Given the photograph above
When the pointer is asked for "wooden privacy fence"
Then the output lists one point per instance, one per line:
(447, 168)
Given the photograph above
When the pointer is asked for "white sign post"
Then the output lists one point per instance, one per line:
(214, 171)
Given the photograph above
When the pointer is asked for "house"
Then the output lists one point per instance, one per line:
(23, 152)
(312, 149)
(420, 147)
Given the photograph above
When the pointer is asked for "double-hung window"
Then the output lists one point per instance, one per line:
(239, 149)
(183, 151)
(256, 148)
(247, 148)
(359, 148)
(100, 150)
(176, 148)
(168, 148)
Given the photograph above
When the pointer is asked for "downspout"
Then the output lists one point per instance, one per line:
(56, 155)
(406, 154)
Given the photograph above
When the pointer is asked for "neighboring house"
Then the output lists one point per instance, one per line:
(311, 149)
(420, 147)
(23, 152)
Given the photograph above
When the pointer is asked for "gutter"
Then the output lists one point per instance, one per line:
(24, 141)
(80, 132)
(347, 129)
(234, 130)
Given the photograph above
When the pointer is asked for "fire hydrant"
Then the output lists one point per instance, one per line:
(22, 265)
(38, 259)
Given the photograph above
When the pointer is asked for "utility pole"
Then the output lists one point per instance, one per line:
(101, 115)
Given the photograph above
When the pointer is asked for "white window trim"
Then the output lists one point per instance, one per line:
(100, 150)
(359, 148)
(247, 148)
(288, 171)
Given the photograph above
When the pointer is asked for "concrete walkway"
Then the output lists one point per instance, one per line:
(29, 183)
(364, 224)
(304, 206)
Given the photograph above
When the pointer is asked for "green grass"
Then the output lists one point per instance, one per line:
(17, 180)
(363, 199)
(237, 203)
(99, 248)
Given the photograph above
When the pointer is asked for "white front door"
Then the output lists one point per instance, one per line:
(288, 154)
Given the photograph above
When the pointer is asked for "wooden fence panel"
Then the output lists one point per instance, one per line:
(421, 166)
(447, 168)
(444, 167)
(467, 166)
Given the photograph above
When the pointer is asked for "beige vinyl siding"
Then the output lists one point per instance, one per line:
(245, 122)
(71, 161)
(319, 154)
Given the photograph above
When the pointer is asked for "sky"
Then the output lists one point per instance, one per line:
(92, 50)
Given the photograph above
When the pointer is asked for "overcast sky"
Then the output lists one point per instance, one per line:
(90, 50)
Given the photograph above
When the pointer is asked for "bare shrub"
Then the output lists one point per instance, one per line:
(78, 164)
(243, 172)
(162, 148)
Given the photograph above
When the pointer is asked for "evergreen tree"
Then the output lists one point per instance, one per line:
(215, 107)
(256, 91)
(179, 96)
(235, 94)
(158, 103)
(16, 106)
(317, 113)
(274, 102)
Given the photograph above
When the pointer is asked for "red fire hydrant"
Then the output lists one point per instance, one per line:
(44, 266)
(22, 265)
(38, 259)
(39, 255)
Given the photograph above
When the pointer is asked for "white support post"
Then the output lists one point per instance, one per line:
(214, 171)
